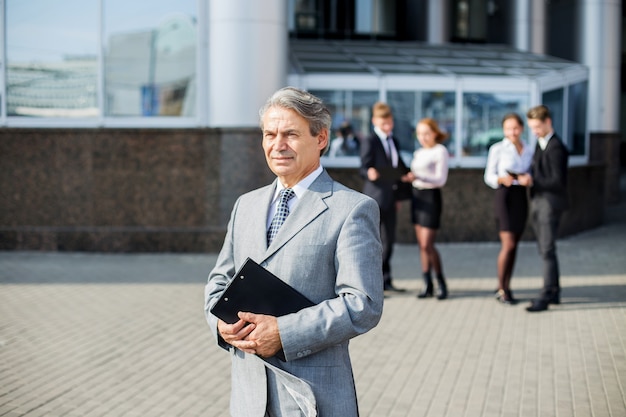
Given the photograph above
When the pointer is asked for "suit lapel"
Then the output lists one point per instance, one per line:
(257, 223)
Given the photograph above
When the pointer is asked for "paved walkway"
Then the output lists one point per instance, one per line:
(104, 335)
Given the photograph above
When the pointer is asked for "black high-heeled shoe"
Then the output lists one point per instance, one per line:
(511, 298)
(426, 292)
(503, 297)
(442, 288)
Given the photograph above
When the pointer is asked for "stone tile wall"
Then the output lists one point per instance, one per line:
(172, 190)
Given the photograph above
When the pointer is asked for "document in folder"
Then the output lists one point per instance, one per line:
(254, 289)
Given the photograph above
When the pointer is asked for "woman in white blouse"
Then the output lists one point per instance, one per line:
(429, 170)
(509, 161)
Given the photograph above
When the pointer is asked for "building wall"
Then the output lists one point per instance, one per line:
(150, 190)
(121, 190)
(468, 205)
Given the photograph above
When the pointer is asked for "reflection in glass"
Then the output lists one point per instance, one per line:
(409, 107)
(553, 99)
(482, 119)
(577, 118)
(305, 15)
(351, 108)
(375, 17)
(150, 61)
(52, 65)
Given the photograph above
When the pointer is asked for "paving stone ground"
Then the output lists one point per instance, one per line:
(111, 335)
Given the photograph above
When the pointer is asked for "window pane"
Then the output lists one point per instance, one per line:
(52, 65)
(150, 57)
(410, 107)
(305, 15)
(482, 119)
(351, 108)
(554, 100)
(577, 120)
(375, 17)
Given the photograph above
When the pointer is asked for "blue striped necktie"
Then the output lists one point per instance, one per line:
(282, 211)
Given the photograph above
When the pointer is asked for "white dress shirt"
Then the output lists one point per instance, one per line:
(504, 158)
(543, 142)
(430, 167)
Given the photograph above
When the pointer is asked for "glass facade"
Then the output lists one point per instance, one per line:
(350, 109)
(482, 119)
(150, 64)
(52, 58)
(54, 50)
(410, 107)
(113, 62)
(577, 118)
(554, 99)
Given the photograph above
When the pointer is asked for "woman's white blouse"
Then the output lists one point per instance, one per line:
(430, 167)
(503, 158)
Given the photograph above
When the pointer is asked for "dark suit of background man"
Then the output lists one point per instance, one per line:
(548, 182)
(380, 151)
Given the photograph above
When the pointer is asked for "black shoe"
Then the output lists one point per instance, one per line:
(389, 287)
(554, 299)
(539, 304)
(504, 298)
(427, 291)
(442, 289)
(510, 295)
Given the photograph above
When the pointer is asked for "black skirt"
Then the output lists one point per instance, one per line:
(426, 207)
(511, 204)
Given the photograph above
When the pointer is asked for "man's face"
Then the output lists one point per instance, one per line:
(291, 151)
(540, 128)
(383, 123)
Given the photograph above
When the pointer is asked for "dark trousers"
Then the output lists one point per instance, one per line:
(388, 238)
(546, 224)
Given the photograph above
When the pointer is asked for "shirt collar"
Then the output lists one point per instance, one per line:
(302, 186)
(381, 135)
(543, 142)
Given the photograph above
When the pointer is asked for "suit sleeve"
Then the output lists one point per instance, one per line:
(358, 304)
(219, 277)
(367, 156)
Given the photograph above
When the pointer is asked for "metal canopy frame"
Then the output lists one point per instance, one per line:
(413, 66)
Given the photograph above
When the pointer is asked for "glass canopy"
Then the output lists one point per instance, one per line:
(467, 88)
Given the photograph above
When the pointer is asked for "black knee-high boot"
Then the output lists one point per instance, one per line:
(442, 289)
(427, 291)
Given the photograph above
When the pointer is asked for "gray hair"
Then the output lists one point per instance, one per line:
(310, 107)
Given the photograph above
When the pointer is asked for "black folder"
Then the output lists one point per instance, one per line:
(391, 173)
(254, 289)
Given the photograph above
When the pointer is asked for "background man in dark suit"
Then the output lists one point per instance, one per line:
(548, 182)
(379, 154)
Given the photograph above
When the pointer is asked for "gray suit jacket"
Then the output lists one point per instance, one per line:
(328, 249)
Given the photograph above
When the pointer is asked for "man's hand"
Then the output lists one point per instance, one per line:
(408, 177)
(264, 336)
(235, 334)
(372, 174)
(256, 334)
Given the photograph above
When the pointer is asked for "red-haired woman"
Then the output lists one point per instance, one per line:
(430, 171)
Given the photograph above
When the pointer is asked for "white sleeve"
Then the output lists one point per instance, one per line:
(491, 170)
